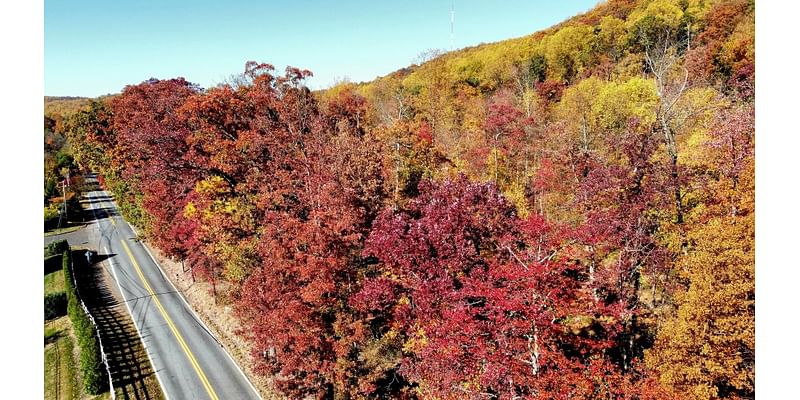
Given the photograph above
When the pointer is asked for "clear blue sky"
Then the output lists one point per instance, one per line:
(95, 47)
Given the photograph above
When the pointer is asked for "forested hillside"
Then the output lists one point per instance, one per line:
(57, 155)
(564, 215)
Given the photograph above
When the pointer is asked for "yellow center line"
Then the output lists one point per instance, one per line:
(172, 327)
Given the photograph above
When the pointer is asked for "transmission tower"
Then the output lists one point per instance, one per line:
(452, 22)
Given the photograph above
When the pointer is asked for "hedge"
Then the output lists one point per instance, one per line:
(91, 361)
(55, 248)
(55, 305)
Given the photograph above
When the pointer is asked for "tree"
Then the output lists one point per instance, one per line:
(707, 346)
(91, 136)
(151, 148)
(502, 121)
(577, 102)
(567, 52)
(658, 31)
(486, 304)
(314, 186)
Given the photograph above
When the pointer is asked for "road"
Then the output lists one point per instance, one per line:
(188, 360)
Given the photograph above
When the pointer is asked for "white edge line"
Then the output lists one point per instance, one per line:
(144, 245)
(197, 317)
(135, 325)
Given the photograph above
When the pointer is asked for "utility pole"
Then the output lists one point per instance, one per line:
(63, 215)
(66, 218)
(64, 192)
(64, 198)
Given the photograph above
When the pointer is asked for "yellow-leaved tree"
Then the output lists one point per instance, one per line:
(707, 348)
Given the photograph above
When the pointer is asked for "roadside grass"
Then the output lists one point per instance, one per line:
(60, 372)
(66, 229)
(54, 282)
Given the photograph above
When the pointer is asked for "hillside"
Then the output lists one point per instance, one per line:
(568, 214)
(63, 106)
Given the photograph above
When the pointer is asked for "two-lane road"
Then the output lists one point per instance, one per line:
(188, 360)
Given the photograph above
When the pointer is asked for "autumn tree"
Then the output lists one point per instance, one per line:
(659, 31)
(151, 144)
(614, 221)
(291, 193)
(707, 347)
(503, 124)
(486, 304)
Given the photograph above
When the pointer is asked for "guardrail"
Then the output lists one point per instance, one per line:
(96, 329)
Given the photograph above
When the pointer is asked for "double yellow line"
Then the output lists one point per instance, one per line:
(171, 325)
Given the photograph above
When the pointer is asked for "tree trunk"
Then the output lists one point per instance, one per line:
(495, 159)
(672, 148)
(397, 171)
(677, 189)
(214, 286)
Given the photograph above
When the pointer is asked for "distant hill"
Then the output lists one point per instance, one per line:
(59, 106)
(603, 42)
(49, 99)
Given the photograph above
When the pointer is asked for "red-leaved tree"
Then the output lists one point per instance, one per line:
(487, 304)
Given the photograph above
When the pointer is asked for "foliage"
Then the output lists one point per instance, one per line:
(51, 215)
(707, 347)
(56, 247)
(480, 300)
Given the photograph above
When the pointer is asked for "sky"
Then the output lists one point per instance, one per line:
(97, 47)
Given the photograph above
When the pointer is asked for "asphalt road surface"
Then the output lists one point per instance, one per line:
(188, 360)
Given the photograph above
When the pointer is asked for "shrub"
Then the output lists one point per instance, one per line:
(56, 247)
(51, 214)
(91, 360)
(55, 305)
(74, 210)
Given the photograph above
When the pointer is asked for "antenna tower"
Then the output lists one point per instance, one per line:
(452, 21)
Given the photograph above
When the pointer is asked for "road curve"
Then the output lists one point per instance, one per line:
(188, 361)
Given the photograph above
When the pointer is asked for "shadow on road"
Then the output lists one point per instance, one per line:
(127, 358)
(98, 214)
(97, 199)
